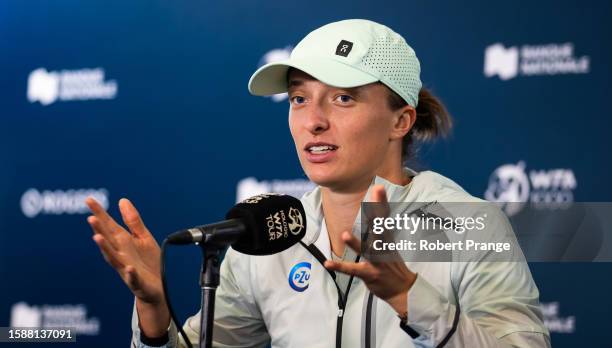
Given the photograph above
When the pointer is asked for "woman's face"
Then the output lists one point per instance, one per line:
(342, 136)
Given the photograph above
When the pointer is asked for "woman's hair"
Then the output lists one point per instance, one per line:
(432, 120)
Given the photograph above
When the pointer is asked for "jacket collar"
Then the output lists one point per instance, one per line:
(314, 210)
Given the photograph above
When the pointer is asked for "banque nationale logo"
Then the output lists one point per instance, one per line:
(554, 321)
(53, 316)
(48, 87)
(533, 60)
(276, 55)
(512, 186)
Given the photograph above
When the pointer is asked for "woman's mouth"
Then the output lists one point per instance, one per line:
(320, 152)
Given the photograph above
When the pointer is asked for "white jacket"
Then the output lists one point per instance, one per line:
(460, 304)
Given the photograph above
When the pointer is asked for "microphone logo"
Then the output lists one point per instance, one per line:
(277, 225)
(297, 221)
(299, 277)
(256, 199)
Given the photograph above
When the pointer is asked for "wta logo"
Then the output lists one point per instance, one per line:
(299, 277)
(278, 226)
(512, 186)
(297, 222)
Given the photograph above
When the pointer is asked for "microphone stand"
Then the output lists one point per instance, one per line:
(209, 281)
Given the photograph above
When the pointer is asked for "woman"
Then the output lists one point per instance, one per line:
(356, 105)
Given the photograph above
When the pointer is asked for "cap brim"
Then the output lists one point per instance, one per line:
(272, 78)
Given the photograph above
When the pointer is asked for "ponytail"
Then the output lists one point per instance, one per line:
(432, 120)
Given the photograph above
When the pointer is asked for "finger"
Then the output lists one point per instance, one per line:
(91, 221)
(380, 208)
(358, 269)
(98, 228)
(352, 241)
(109, 223)
(109, 254)
(378, 194)
(132, 218)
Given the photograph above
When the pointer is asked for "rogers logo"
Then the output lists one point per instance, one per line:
(34, 202)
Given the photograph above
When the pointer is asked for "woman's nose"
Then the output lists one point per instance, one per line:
(317, 120)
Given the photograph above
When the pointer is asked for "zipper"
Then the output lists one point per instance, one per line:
(342, 307)
(342, 300)
(368, 321)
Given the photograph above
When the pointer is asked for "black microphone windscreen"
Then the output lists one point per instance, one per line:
(274, 222)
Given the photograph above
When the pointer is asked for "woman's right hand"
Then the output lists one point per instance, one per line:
(136, 256)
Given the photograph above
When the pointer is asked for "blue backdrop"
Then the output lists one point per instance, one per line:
(147, 100)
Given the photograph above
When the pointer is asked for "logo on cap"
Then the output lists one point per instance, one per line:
(344, 48)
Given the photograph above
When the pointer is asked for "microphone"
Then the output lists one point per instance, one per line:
(260, 225)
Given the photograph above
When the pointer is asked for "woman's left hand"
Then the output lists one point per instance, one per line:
(388, 280)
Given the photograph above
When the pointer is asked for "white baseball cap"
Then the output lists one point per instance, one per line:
(346, 54)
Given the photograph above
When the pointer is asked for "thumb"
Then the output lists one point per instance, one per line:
(381, 208)
(378, 194)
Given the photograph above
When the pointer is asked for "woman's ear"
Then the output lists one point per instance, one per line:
(404, 121)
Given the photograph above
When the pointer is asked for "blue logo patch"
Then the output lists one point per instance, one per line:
(299, 276)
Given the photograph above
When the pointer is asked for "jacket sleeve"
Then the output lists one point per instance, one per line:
(238, 321)
(496, 304)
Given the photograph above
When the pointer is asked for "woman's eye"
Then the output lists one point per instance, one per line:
(344, 98)
(297, 99)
